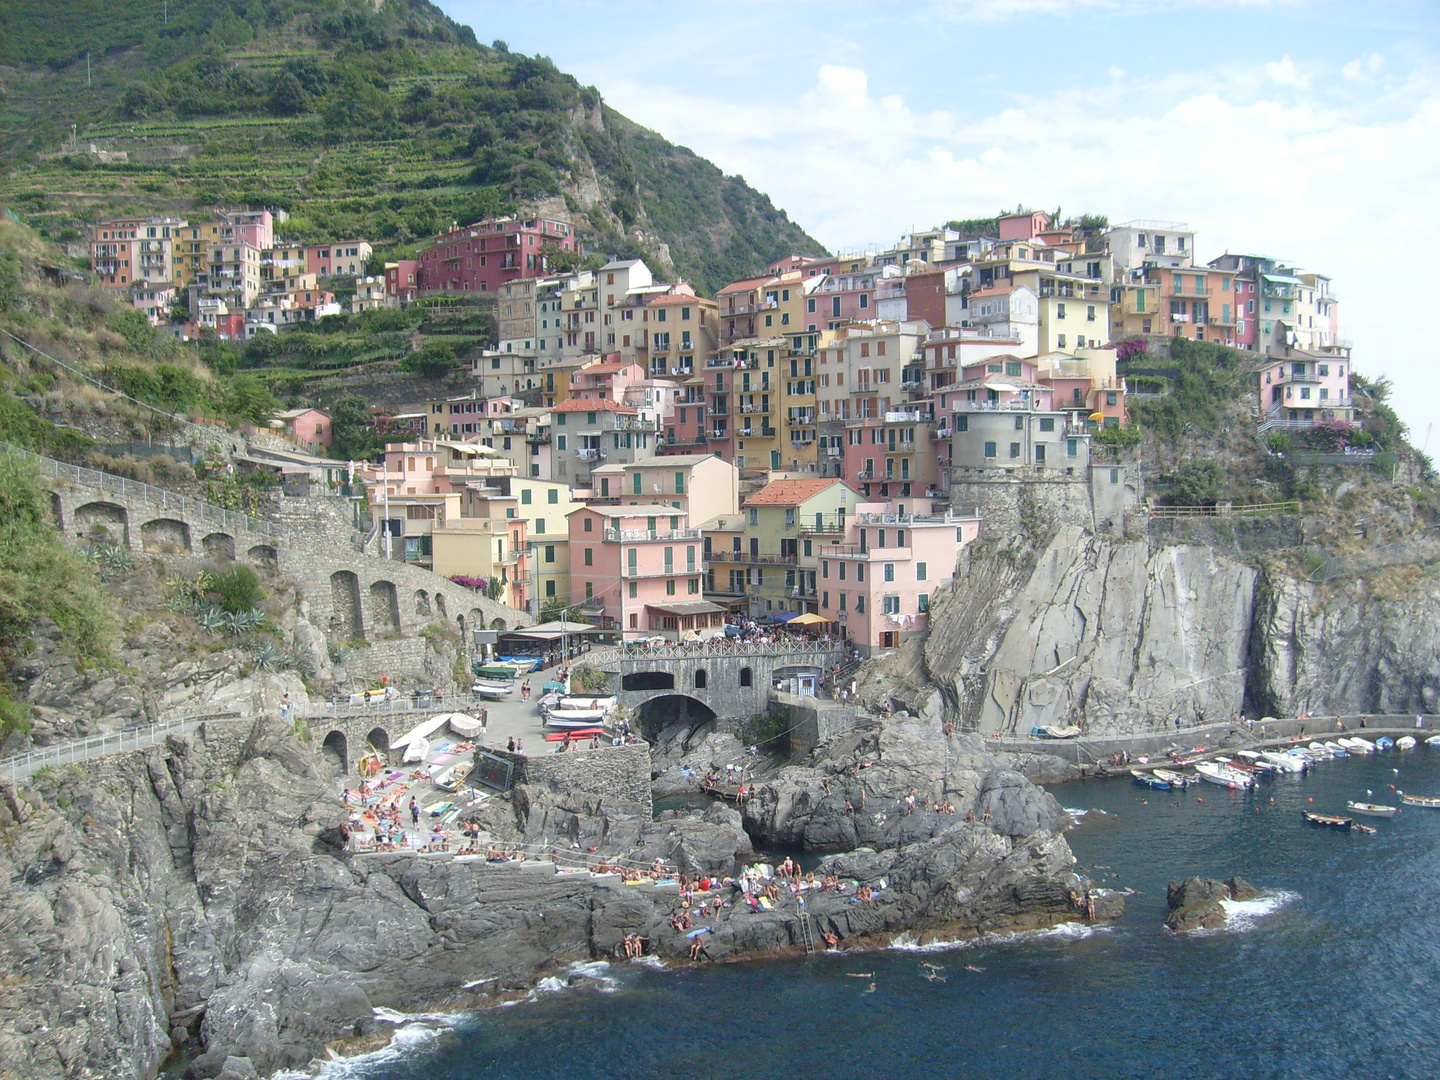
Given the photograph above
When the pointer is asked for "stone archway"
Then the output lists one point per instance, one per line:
(57, 508)
(498, 624)
(336, 750)
(422, 604)
(165, 536)
(440, 605)
(265, 557)
(110, 518)
(345, 603)
(219, 546)
(660, 712)
(701, 679)
(384, 607)
(379, 740)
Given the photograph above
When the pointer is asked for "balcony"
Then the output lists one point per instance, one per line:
(940, 433)
(635, 536)
(908, 417)
(828, 525)
(725, 411)
(717, 435)
(996, 406)
(800, 592)
(590, 454)
(834, 451)
(1189, 291)
(632, 573)
(749, 559)
(750, 409)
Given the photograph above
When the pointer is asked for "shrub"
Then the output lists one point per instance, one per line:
(237, 589)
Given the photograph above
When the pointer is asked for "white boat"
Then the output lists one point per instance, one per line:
(580, 701)
(466, 726)
(1256, 761)
(1336, 749)
(1358, 745)
(1213, 772)
(1429, 802)
(492, 690)
(1406, 742)
(421, 731)
(562, 718)
(1433, 740)
(1318, 749)
(1290, 763)
(1370, 809)
(1176, 779)
(417, 750)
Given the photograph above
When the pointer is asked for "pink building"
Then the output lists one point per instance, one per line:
(253, 227)
(640, 570)
(309, 426)
(684, 429)
(605, 381)
(483, 256)
(1303, 389)
(895, 454)
(342, 257)
(402, 281)
(876, 581)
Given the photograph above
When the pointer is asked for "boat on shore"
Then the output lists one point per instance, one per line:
(1333, 821)
(1370, 809)
(560, 718)
(494, 691)
(1427, 801)
(1212, 772)
(1155, 783)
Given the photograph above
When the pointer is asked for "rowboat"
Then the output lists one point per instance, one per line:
(492, 690)
(559, 718)
(577, 733)
(1427, 801)
(1433, 740)
(1154, 782)
(1336, 749)
(1334, 821)
(1356, 826)
(1176, 779)
(1357, 745)
(1370, 809)
(579, 701)
(495, 672)
(1224, 776)
(1320, 752)
(1384, 743)
(1406, 742)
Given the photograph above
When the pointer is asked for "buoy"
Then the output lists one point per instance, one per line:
(1199, 799)
(1309, 800)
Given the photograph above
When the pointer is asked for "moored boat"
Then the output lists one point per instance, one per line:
(1290, 763)
(1334, 821)
(1433, 740)
(1177, 779)
(1153, 782)
(1318, 750)
(1406, 742)
(1384, 743)
(1336, 749)
(1256, 761)
(1370, 809)
(1213, 772)
(1356, 826)
(1357, 745)
(1427, 801)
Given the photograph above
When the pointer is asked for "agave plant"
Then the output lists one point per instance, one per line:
(269, 658)
(211, 620)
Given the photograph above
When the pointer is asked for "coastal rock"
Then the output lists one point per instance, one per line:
(712, 753)
(1199, 903)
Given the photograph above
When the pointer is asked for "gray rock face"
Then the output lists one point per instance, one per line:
(1198, 903)
(712, 750)
(1112, 630)
(854, 793)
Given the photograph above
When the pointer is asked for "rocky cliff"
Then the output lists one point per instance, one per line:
(1125, 634)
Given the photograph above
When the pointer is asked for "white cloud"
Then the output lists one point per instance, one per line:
(1283, 72)
(1362, 69)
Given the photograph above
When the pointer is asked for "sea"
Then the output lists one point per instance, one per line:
(1334, 972)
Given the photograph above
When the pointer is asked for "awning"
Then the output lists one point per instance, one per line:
(686, 607)
(1281, 279)
(809, 619)
(783, 616)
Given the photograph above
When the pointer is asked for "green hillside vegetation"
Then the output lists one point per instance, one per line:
(386, 124)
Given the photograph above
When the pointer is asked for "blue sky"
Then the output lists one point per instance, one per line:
(1305, 130)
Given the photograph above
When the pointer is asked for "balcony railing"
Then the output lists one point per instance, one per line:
(908, 416)
(752, 559)
(589, 454)
(723, 410)
(646, 535)
(713, 435)
(997, 406)
(828, 525)
(1189, 291)
(953, 515)
(800, 592)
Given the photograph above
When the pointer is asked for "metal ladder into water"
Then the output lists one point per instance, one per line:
(807, 934)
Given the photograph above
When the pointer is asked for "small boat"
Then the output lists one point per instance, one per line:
(1319, 751)
(1289, 763)
(1370, 809)
(1433, 740)
(1334, 821)
(1427, 801)
(1153, 782)
(1224, 776)
(575, 733)
(492, 690)
(1176, 779)
(1336, 749)
(1256, 761)
(1356, 826)
(580, 701)
(575, 720)
(495, 672)
(1357, 745)
(1384, 743)
(1406, 742)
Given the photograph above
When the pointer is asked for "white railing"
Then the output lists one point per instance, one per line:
(713, 647)
(615, 535)
(166, 500)
(23, 766)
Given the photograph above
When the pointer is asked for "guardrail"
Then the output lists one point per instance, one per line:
(1223, 510)
(23, 766)
(714, 648)
(134, 489)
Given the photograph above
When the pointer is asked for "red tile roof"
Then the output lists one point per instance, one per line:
(600, 405)
(790, 492)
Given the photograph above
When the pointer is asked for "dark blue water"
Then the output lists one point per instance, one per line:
(1337, 974)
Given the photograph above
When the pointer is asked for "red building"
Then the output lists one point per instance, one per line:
(402, 280)
(483, 256)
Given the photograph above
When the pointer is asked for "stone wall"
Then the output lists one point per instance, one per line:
(809, 721)
(1031, 500)
(619, 772)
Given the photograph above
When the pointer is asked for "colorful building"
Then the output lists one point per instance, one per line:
(485, 255)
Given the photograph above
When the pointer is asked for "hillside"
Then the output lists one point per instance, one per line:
(387, 121)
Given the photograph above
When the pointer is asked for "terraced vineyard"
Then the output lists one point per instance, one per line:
(388, 124)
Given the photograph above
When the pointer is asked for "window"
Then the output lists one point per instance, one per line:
(1114, 476)
(825, 600)
(922, 603)
(860, 571)
(1019, 423)
(1047, 423)
(1060, 341)
(549, 553)
(553, 495)
(525, 496)
(588, 523)
(1060, 311)
(670, 587)
(694, 586)
(589, 556)
(962, 423)
(1072, 447)
(889, 574)
(989, 449)
(824, 568)
(1014, 449)
(890, 605)
(754, 516)
(559, 442)
(550, 587)
(634, 590)
(636, 485)
(921, 572)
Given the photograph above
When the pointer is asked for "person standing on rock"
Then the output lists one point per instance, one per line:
(484, 717)
(414, 812)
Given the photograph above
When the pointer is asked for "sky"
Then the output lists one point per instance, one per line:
(1304, 131)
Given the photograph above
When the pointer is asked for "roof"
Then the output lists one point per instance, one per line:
(570, 405)
(1003, 383)
(724, 523)
(635, 510)
(686, 607)
(791, 492)
(667, 461)
(609, 365)
(291, 414)
(621, 264)
(747, 283)
(997, 292)
(680, 298)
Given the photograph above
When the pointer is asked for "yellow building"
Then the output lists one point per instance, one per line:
(543, 506)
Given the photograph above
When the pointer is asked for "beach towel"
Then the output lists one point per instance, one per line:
(702, 930)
